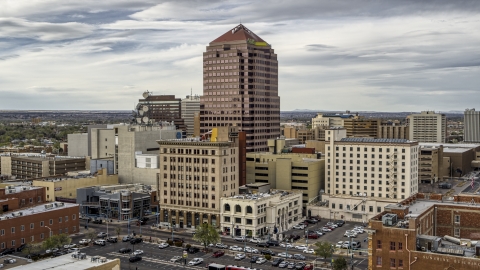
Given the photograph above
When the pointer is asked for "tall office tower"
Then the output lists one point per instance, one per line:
(471, 128)
(240, 87)
(427, 126)
(163, 108)
(190, 105)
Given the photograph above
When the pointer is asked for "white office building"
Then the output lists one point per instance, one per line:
(471, 128)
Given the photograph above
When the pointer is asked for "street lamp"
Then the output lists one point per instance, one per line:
(50, 231)
(306, 237)
(286, 249)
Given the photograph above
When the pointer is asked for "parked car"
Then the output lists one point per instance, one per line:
(253, 259)
(261, 260)
(277, 261)
(255, 240)
(291, 265)
(218, 253)
(126, 238)
(251, 250)
(295, 237)
(283, 264)
(319, 233)
(220, 245)
(300, 265)
(301, 247)
(136, 241)
(298, 257)
(284, 255)
(339, 244)
(311, 221)
(299, 226)
(163, 245)
(195, 261)
(236, 248)
(7, 251)
(312, 236)
(326, 229)
(309, 251)
(112, 239)
(272, 243)
(100, 242)
(125, 250)
(340, 223)
(84, 241)
(263, 244)
(267, 251)
(193, 250)
(51, 250)
(176, 259)
(97, 221)
(102, 235)
(137, 252)
(240, 238)
(134, 259)
(286, 245)
(10, 260)
(239, 256)
(72, 245)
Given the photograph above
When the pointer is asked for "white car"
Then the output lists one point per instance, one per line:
(51, 250)
(240, 238)
(299, 227)
(301, 247)
(84, 241)
(339, 244)
(220, 245)
(163, 245)
(236, 248)
(137, 252)
(254, 240)
(325, 229)
(195, 261)
(319, 233)
(176, 259)
(309, 251)
(69, 246)
(286, 245)
(284, 255)
(251, 250)
(261, 260)
(239, 256)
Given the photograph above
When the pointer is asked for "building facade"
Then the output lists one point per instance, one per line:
(162, 108)
(431, 164)
(288, 171)
(193, 176)
(471, 128)
(37, 223)
(392, 131)
(190, 106)
(333, 120)
(240, 87)
(261, 213)
(29, 166)
(25, 196)
(427, 126)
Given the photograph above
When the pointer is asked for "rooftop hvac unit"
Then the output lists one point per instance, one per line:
(389, 219)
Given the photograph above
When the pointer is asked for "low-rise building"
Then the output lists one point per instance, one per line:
(77, 262)
(259, 214)
(33, 224)
(457, 159)
(423, 234)
(431, 168)
(25, 195)
(288, 171)
(29, 166)
(121, 202)
(65, 187)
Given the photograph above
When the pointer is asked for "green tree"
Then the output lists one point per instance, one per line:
(118, 230)
(324, 249)
(32, 248)
(340, 264)
(91, 234)
(56, 241)
(206, 234)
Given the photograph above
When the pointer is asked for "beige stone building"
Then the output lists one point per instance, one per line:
(288, 171)
(66, 186)
(240, 87)
(193, 176)
(260, 214)
(431, 164)
(379, 168)
(393, 131)
(428, 127)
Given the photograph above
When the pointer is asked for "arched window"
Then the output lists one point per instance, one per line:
(238, 209)
(249, 209)
(226, 207)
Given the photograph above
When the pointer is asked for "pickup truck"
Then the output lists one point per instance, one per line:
(100, 242)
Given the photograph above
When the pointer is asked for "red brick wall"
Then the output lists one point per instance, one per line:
(37, 230)
(468, 225)
(26, 195)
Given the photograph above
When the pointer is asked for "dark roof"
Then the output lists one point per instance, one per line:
(239, 32)
(371, 140)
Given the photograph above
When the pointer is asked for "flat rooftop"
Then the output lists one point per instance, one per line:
(19, 188)
(371, 140)
(454, 145)
(38, 209)
(65, 262)
(260, 196)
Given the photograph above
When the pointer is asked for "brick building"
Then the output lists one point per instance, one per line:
(34, 224)
(24, 196)
(426, 234)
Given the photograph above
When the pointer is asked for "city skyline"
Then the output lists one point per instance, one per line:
(354, 55)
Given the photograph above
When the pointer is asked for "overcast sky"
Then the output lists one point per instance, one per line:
(374, 55)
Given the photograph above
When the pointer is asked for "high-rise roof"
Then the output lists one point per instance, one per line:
(239, 32)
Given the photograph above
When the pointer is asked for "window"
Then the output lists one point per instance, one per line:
(238, 220)
(379, 209)
(22, 240)
(379, 261)
(249, 222)
(13, 243)
(60, 220)
(22, 228)
(74, 228)
(333, 206)
(13, 230)
(400, 263)
(3, 245)
(379, 244)
(249, 210)
(2, 232)
(457, 232)
(51, 222)
(392, 262)
(392, 245)
(226, 219)
(32, 238)
(66, 218)
(400, 246)
(457, 218)
(31, 226)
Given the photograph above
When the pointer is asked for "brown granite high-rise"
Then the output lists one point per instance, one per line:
(240, 87)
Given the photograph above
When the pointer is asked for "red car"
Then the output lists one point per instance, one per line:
(312, 236)
(218, 253)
